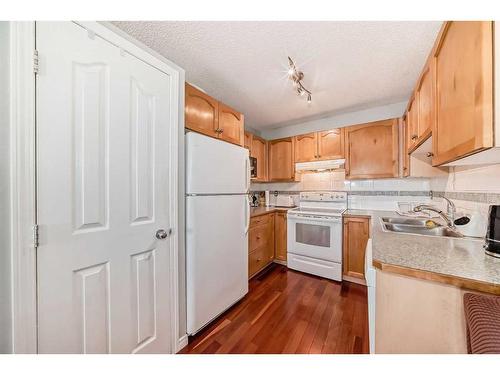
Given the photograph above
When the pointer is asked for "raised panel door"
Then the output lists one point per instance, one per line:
(372, 150)
(231, 125)
(201, 112)
(281, 163)
(404, 140)
(103, 120)
(413, 122)
(464, 90)
(280, 233)
(248, 141)
(306, 147)
(425, 103)
(356, 234)
(259, 151)
(331, 144)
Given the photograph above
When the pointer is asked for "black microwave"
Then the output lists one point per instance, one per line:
(253, 167)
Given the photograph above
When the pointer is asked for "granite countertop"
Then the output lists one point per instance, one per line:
(262, 210)
(460, 258)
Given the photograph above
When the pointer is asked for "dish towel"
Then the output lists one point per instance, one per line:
(482, 319)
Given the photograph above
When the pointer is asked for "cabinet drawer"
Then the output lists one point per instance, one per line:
(257, 260)
(258, 236)
(262, 219)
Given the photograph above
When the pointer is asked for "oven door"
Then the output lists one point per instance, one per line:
(319, 238)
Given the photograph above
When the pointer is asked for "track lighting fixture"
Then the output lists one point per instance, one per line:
(296, 77)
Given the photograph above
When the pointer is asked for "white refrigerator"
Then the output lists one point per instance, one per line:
(217, 221)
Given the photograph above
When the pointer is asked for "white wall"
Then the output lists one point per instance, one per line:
(337, 121)
(5, 275)
(472, 189)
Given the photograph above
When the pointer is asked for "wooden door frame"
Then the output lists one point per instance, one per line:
(22, 140)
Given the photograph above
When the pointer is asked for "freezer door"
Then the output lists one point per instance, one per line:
(216, 256)
(215, 167)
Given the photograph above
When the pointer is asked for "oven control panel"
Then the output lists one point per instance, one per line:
(329, 196)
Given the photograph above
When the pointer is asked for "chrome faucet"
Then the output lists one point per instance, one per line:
(451, 209)
(449, 219)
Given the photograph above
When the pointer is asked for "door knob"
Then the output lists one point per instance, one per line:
(161, 234)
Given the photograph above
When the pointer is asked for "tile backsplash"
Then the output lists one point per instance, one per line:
(336, 181)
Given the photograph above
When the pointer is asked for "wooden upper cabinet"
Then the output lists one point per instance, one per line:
(248, 140)
(280, 160)
(258, 150)
(331, 144)
(324, 145)
(306, 147)
(201, 112)
(372, 150)
(356, 234)
(412, 119)
(280, 235)
(464, 90)
(404, 141)
(425, 92)
(231, 125)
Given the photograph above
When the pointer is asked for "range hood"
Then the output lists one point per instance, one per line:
(319, 166)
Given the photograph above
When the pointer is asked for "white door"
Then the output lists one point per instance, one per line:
(103, 119)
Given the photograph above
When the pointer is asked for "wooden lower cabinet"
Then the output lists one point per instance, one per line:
(260, 243)
(280, 238)
(356, 234)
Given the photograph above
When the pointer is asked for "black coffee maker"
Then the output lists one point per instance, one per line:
(492, 245)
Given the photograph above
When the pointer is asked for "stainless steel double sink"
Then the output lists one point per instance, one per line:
(417, 226)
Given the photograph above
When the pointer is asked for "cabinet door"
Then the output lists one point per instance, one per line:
(425, 92)
(231, 125)
(464, 90)
(413, 123)
(201, 112)
(248, 141)
(260, 244)
(281, 164)
(306, 147)
(356, 234)
(259, 151)
(372, 150)
(280, 223)
(331, 144)
(404, 140)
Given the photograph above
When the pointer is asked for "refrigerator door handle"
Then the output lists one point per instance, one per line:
(247, 208)
(247, 171)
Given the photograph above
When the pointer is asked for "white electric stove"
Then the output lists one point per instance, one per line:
(315, 234)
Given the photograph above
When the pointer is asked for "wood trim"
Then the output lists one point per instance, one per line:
(459, 282)
(22, 187)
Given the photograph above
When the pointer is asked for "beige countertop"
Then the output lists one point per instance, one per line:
(262, 210)
(458, 261)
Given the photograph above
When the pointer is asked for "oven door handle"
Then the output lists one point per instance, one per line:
(316, 219)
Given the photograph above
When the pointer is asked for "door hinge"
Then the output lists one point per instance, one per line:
(35, 62)
(35, 236)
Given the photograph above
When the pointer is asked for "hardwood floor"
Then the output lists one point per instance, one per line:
(290, 312)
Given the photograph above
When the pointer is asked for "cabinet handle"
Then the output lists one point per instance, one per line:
(414, 136)
(430, 154)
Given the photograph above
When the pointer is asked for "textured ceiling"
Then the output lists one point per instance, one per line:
(347, 65)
